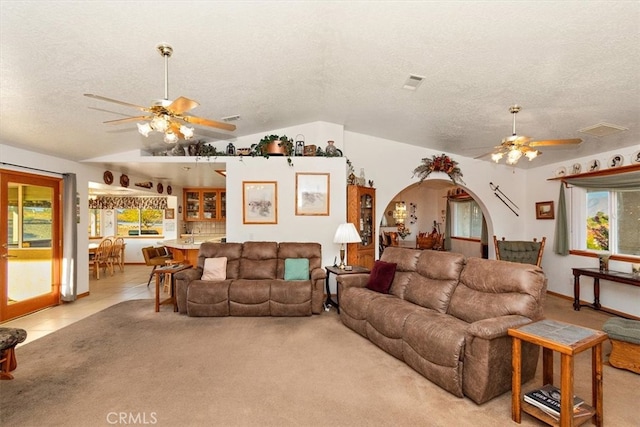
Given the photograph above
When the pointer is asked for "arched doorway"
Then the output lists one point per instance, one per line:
(427, 204)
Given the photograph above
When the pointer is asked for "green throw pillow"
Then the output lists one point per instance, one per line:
(296, 269)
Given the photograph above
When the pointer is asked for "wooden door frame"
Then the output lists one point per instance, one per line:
(30, 305)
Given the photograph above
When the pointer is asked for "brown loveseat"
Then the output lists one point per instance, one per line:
(254, 284)
(447, 317)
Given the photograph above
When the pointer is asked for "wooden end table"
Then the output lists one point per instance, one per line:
(332, 269)
(167, 273)
(568, 340)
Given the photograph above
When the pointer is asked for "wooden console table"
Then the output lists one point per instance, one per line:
(613, 276)
(568, 340)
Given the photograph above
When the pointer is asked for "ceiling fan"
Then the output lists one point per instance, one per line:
(515, 146)
(166, 116)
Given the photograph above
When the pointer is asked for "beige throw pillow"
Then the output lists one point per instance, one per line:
(215, 269)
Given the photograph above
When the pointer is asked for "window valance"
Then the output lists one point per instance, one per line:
(127, 202)
(625, 178)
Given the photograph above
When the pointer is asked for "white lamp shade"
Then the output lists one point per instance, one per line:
(347, 233)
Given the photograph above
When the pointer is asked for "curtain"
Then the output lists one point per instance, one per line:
(128, 202)
(69, 282)
(447, 228)
(561, 238)
(624, 181)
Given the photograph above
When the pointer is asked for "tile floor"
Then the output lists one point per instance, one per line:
(109, 290)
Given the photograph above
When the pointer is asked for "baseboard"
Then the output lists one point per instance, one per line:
(603, 309)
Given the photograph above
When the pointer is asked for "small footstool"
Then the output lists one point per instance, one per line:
(625, 343)
(9, 338)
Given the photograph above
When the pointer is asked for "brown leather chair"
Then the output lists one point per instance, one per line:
(155, 256)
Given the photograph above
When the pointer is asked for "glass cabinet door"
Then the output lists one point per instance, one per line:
(366, 218)
(223, 205)
(193, 205)
(209, 202)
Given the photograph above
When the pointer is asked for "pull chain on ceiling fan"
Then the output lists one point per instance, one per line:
(515, 146)
(164, 115)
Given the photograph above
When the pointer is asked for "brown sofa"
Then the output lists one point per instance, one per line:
(447, 317)
(254, 284)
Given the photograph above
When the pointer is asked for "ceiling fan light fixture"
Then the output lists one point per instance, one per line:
(496, 157)
(170, 138)
(160, 123)
(513, 156)
(186, 131)
(144, 129)
(532, 154)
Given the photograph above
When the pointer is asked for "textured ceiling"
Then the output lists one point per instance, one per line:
(276, 64)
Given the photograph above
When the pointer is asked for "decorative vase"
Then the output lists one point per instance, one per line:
(331, 149)
(273, 148)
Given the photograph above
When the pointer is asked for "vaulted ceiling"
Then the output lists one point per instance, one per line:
(571, 65)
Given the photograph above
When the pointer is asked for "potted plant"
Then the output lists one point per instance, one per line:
(274, 145)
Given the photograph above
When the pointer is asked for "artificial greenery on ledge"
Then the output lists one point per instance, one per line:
(442, 163)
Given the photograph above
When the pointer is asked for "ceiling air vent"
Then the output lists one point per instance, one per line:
(603, 129)
(413, 82)
(231, 118)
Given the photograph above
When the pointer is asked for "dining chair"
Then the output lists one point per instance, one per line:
(116, 255)
(102, 258)
(522, 251)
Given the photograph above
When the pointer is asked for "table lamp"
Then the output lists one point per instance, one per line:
(346, 233)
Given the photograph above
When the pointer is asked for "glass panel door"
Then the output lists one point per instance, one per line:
(30, 253)
(193, 205)
(209, 204)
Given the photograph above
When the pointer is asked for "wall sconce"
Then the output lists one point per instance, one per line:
(400, 213)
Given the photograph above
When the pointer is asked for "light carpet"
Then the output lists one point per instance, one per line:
(130, 365)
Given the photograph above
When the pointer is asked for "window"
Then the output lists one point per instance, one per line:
(606, 221)
(466, 219)
(139, 222)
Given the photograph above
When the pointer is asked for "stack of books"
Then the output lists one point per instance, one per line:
(547, 398)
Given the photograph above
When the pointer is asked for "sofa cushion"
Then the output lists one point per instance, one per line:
(296, 269)
(311, 251)
(215, 269)
(436, 277)
(490, 288)
(381, 276)
(259, 260)
(231, 251)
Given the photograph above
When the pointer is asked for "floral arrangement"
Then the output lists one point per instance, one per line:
(441, 163)
(403, 231)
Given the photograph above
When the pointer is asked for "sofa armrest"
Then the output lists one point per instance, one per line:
(496, 327)
(193, 273)
(318, 273)
(358, 280)
(182, 280)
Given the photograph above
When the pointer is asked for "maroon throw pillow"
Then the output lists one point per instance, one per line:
(381, 276)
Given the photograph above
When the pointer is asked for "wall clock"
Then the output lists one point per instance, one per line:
(108, 177)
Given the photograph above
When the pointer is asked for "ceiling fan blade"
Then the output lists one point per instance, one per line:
(128, 119)
(206, 122)
(555, 142)
(115, 101)
(182, 105)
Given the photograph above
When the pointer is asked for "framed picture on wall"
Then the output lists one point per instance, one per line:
(312, 194)
(259, 202)
(544, 210)
(169, 213)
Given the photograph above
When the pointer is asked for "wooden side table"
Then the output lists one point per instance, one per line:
(331, 269)
(568, 340)
(167, 273)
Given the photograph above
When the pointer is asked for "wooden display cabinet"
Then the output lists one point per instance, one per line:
(361, 209)
(205, 204)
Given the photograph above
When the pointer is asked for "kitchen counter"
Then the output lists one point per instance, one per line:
(184, 250)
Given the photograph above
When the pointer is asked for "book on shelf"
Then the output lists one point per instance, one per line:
(549, 397)
(578, 411)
